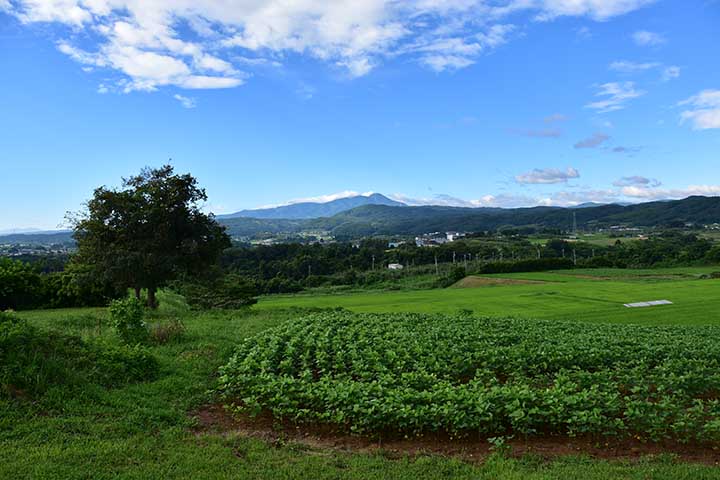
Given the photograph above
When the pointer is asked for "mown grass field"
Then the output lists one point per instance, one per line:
(147, 430)
(596, 295)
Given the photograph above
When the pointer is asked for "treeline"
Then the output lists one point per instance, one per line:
(25, 286)
(243, 272)
(288, 268)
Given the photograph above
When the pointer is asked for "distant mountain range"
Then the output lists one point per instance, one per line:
(379, 215)
(305, 210)
(371, 220)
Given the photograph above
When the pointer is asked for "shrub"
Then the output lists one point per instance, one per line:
(32, 360)
(171, 331)
(226, 292)
(127, 318)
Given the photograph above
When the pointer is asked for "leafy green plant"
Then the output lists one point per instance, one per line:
(463, 375)
(127, 317)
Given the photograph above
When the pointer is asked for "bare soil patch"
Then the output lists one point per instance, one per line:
(216, 420)
(475, 282)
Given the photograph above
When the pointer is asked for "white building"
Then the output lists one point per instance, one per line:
(395, 266)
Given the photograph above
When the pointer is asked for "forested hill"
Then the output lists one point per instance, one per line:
(387, 220)
(371, 220)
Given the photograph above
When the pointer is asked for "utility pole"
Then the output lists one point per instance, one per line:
(563, 252)
(574, 223)
(453, 258)
(574, 257)
(437, 272)
(373, 262)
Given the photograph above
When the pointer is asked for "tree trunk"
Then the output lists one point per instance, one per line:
(152, 299)
(137, 292)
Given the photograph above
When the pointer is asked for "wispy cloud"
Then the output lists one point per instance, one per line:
(556, 117)
(637, 181)
(540, 133)
(670, 72)
(616, 94)
(186, 102)
(704, 110)
(546, 176)
(593, 141)
(648, 39)
(625, 66)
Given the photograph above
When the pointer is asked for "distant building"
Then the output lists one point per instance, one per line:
(395, 244)
(395, 266)
(452, 236)
(431, 239)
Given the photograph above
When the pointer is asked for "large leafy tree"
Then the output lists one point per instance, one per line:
(148, 232)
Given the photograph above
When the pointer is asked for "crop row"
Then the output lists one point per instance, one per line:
(413, 374)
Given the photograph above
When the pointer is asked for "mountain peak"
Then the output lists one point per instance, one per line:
(315, 209)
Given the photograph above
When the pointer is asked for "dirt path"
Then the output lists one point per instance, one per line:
(215, 420)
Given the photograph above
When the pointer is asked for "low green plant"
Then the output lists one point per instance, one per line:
(33, 360)
(169, 331)
(414, 374)
(128, 319)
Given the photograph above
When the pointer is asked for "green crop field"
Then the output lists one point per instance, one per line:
(582, 295)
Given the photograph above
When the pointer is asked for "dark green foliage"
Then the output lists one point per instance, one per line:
(455, 274)
(128, 319)
(534, 265)
(410, 374)
(149, 232)
(225, 292)
(23, 287)
(32, 361)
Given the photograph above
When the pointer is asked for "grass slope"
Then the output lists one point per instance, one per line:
(583, 295)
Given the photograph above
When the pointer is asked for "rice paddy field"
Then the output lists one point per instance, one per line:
(174, 425)
(593, 295)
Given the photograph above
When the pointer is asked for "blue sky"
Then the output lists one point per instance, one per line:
(462, 102)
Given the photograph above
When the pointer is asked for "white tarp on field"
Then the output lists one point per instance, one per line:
(648, 304)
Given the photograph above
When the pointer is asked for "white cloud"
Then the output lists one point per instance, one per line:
(146, 41)
(547, 176)
(594, 141)
(671, 72)
(629, 189)
(637, 181)
(185, 101)
(705, 110)
(667, 72)
(617, 94)
(625, 66)
(648, 39)
(596, 9)
(542, 133)
(649, 193)
(555, 117)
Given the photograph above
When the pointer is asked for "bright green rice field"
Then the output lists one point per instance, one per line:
(584, 295)
(145, 430)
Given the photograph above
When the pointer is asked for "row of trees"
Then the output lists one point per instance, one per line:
(292, 267)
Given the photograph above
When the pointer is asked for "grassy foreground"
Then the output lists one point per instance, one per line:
(143, 430)
(582, 295)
